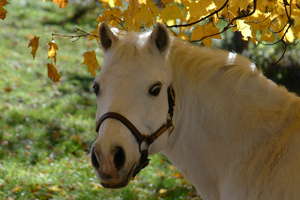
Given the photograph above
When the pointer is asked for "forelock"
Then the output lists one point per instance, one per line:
(131, 45)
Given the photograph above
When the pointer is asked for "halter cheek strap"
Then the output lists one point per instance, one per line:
(144, 141)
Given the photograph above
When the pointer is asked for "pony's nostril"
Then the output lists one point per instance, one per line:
(119, 158)
(94, 159)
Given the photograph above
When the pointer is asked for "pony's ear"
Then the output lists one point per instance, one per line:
(107, 37)
(160, 37)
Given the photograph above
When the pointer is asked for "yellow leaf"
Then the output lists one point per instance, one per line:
(61, 3)
(171, 12)
(53, 73)
(91, 61)
(162, 191)
(34, 44)
(198, 9)
(237, 6)
(52, 50)
(55, 188)
(267, 36)
(144, 16)
(111, 16)
(16, 189)
(183, 36)
(167, 1)
(2, 13)
(96, 186)
(244, 28)
(177, 175)
(112, 3)
(206, 30)
(289, 36)
(94, 34)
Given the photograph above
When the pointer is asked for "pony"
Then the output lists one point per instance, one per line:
(232, 133)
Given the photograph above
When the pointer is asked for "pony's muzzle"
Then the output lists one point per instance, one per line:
(108, 167)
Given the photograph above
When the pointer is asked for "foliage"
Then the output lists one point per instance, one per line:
(257, 20)
(272, 21)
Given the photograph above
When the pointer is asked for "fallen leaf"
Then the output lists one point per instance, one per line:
(34, 44)
(16, 189)
(54, 188)
(8, 89)
(53, 73)
(162, 191)
(96, 186)
(205, 30)
(61, 3)
(91, 61)
(52, 50)
(177, 175)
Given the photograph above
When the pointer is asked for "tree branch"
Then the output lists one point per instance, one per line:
(81, 34)
(230, 24)
(202, 19)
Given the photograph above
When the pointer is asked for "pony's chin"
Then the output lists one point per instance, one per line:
(118, 183)
(115, 185)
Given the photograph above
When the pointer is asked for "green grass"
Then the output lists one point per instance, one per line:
(46, 128)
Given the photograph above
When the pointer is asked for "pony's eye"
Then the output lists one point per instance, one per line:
(155, 89)
(96, 88)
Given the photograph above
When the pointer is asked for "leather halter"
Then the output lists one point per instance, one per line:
(144, 141)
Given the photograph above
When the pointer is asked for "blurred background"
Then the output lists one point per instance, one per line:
(46, 128)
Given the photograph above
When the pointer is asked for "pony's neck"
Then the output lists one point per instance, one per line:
(227, 115)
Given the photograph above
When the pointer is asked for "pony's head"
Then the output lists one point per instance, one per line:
(133, 102)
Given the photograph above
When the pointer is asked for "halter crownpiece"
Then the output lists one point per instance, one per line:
(144, 141)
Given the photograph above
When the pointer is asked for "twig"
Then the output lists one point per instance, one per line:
(202, 19)
(230, 24)
(283, 53)
(290, 24)
(82, 34)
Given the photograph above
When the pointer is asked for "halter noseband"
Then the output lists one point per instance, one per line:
(144, 141)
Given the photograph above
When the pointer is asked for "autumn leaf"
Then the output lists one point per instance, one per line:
(55, 188)
(53, 73)
(7, 89)
(61, 3)
(16, 189)
(34, 44)
(94, 34)
(171, 12)
(52, 50)
(91, 61)
(206, 30)
(244, 28)
(3, 3)
(2, 13)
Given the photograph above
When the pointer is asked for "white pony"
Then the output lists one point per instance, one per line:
(233, 133)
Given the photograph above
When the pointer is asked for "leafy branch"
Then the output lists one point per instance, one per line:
(230, 24)
(202, 19)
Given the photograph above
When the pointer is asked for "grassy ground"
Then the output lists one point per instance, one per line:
(46, 128)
